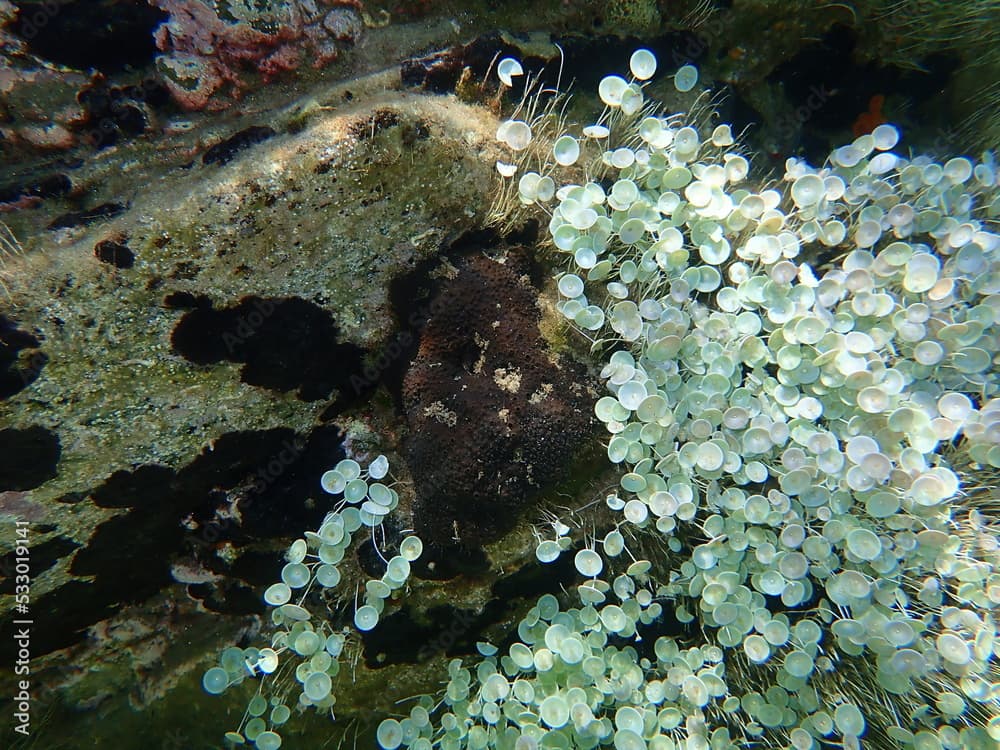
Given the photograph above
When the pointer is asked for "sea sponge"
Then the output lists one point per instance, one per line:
(494, 416)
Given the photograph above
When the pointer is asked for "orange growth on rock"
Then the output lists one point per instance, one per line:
(866, 122)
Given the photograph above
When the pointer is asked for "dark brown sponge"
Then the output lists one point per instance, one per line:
(494, 415)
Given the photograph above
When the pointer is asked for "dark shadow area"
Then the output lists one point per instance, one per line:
(21, 360)
(28, 457)
(284, 344)
(109, 35)
(248, 488)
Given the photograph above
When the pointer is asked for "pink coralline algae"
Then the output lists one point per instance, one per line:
(210, 46)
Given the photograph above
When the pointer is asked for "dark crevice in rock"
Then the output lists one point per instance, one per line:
(87, 216)
(401, 639)
(234, 599)
(225, 151)
(129, 554)
(585, 60)
(148, 485)
(666, 625)
(536, 579)
(69, 611)
(42, 557)
(45, 186)
(258, 568)
(828, 89)
(113, 113)
(116, 254)
(589, 59)
(442, 562)
(21, 361)
(109, 35)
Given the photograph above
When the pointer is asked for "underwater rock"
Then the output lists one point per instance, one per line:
(208, 44)
(17, 370)
(116, 113)
(53, 97)
(494, 414)
(318, 223)
(224, 151)
(30, 191)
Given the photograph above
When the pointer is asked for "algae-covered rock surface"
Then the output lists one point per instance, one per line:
(151, 396)
(257, 287)
(180, 371)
